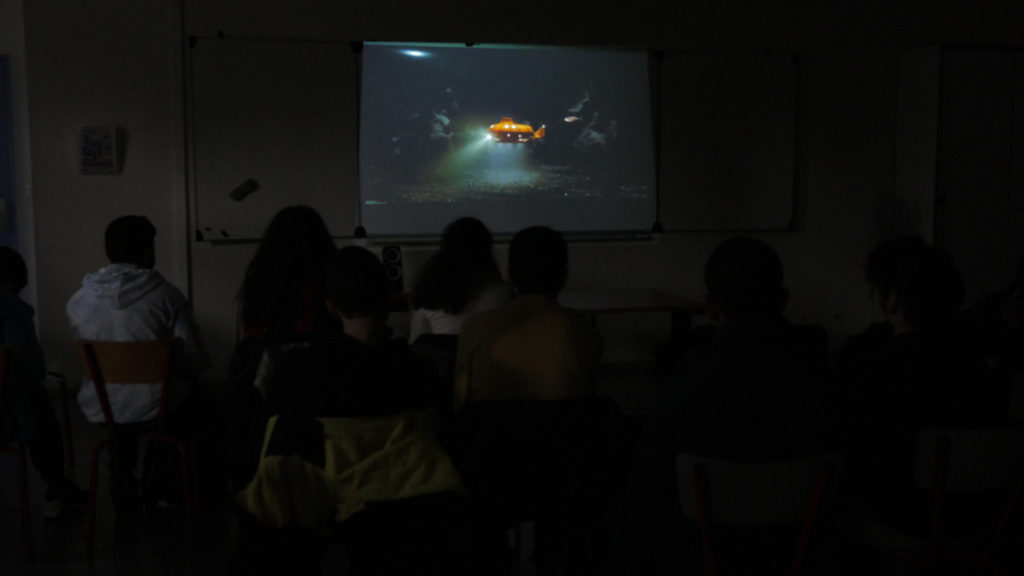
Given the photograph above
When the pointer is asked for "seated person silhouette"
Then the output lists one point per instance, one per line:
(28, 414)
(348, 449)
(531, 347)
(997, 321)
(282, 296)
(529, 434)
(919, 369)
(750, 387)
(128, 300)
(758, 387)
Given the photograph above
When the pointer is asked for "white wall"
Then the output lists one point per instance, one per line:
(12, 44)
(102, 62)
(119, 61)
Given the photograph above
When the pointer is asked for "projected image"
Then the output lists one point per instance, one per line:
(513, 135)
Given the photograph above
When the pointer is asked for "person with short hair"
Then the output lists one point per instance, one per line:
(531, 347)
(923, 367)
(749, 387)
(348, 402)
(128, 301)
(759, 386)
(352, 366)
(28, 414)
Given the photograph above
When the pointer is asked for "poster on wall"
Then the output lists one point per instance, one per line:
(98, 148)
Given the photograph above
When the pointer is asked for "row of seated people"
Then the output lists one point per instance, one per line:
(752, 386)
(524, 445)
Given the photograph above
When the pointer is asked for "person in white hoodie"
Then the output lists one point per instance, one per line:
(128, 301)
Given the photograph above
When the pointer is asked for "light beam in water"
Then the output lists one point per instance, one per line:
(489, 166)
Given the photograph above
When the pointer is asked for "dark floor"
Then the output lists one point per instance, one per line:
(151, 544)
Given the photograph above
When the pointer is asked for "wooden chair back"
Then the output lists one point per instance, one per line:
(143, 362)
(970, 461)
(794, 492)
(1017, 398)
(5, 364)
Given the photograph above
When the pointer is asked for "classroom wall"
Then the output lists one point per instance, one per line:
(105, 62)
(12, 44)
(119, 61)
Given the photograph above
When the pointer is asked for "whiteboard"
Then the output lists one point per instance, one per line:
(282, 113)
(727, 139)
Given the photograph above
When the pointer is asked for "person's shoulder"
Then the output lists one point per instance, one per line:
(13, 307)
(165, 285)
(493, 295)
(484, 319)
(165, 292)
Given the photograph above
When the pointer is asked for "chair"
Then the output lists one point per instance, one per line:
(963, 461)
(1017, 399)
(790, 492)
(552, 463)
(55, 374)
(128, 363)
(17, 449)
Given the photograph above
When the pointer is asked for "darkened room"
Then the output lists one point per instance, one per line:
(682, 287)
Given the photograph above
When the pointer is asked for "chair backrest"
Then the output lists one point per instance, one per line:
(757, 493)
(143, 362)
(970, 460)
(1017, 398)
(5, 365)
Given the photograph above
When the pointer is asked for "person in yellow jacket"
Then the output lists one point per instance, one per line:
(349, 445)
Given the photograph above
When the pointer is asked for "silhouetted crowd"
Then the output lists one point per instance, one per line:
(434, 453)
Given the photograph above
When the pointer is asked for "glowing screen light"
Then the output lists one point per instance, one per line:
(448, 130)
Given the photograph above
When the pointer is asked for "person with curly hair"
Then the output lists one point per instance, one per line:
(459, 281)
(283, 290)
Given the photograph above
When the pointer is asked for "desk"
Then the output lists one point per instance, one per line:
(590, 303)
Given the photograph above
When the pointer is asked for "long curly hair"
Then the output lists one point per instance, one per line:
(463, 266)
(286, 279)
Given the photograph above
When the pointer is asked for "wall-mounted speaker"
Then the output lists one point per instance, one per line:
(391, 256)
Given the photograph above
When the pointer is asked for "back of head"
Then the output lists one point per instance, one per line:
(295, 243)
(13, 272)
(922, 278)
(463, 265)
(295, 231)
(469, 236)
(744, 278)
(357, 286)
(290, 265)
(129, 240)
(538, 261)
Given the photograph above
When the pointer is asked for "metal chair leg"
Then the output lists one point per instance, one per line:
(90, 527)
(65, 415)
(26, 512)
(190, 516)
